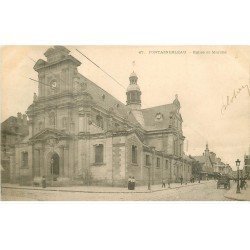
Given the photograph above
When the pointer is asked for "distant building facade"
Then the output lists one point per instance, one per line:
(206, 163)
(78, 132)
(13, 130)
(212, 166)
(246, 169)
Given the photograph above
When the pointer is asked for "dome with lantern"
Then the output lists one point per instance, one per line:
(133, 91)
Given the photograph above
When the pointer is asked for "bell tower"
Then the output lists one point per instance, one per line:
(133, 93)
(134, 98)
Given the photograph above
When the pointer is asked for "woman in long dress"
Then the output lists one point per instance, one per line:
(129, 183)
(133, 183)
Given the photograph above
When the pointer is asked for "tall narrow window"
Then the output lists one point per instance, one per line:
(99, 121)
(166, 164)
(158, 162)
(24, 159)
(134, 154)
(147, 160)
(99, 153)
(64, 122)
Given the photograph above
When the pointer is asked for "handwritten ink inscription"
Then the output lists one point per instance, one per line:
(230, 100)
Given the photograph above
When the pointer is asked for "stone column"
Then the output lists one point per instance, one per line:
(81, 123)
(37, 162)
(30, 123)
(61, 161)
(66, 161)
(153, 165)
(41, 162)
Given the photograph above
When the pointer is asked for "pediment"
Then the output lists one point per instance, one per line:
(49, 134)
(139, 135)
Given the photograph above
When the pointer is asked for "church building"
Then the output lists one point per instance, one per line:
(80, 134)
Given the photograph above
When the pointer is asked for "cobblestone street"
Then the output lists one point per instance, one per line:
(205, 190)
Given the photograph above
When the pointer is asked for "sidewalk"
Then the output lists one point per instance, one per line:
(100, 189)
(244, 195)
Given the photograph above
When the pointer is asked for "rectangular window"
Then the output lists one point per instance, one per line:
(24, 160)
(64, 122)
(166, 164)
(99, 153)
(134, 154)
(147, 160)
(158, 162)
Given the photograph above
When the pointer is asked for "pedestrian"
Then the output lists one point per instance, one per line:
(169, 181)
(241, 183)
(163, 183)
(181, 179)
(44, 182)
(133, 183)
(129, 183)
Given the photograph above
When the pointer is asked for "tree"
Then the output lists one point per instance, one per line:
(196, 168)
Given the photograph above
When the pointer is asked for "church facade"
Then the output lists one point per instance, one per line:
(79, 133)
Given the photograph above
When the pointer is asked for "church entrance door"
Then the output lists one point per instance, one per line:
(54, 165)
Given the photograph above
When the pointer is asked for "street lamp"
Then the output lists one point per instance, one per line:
(238, 176)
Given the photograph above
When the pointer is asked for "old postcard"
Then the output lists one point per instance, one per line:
(125, 123)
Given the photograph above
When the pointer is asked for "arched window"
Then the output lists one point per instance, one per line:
(52, 118)
(134, 154)
(99, 153)
(133, 96)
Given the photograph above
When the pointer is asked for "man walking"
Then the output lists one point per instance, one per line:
(163, 183)
(181, 179)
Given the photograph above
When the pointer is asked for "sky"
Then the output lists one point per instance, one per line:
(202, 79)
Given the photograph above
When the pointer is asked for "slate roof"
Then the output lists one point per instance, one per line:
(200, 158)
(6, 126)
(149, 115)
(105, 100)
(109, 102)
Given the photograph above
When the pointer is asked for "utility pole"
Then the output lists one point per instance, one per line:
(149, 176)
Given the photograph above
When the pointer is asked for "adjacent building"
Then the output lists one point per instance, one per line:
(13, 130)
(206, 164)
(246, 169)
(79, 133)
(212, 166)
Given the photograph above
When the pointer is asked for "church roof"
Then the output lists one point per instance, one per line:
(200, 158)
(105, 100)
(157, 118)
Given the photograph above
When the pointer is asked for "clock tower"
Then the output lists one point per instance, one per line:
(58, 82)
(58, 73)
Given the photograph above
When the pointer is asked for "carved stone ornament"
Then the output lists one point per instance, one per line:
(52, 141)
